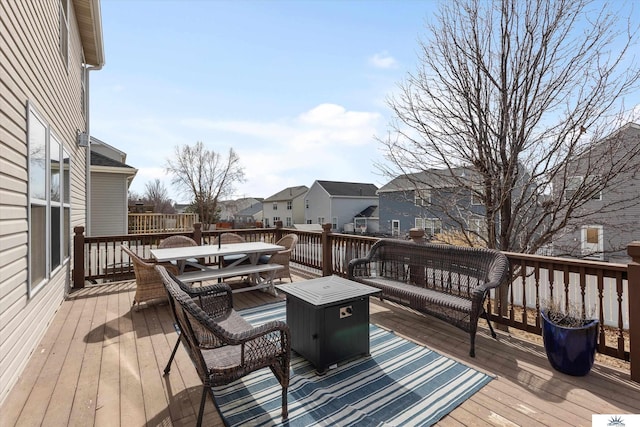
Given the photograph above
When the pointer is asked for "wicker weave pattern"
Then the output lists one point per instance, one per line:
(241, 348)
(148, 282)
(178, 242)
(282, 257)
(448, 282)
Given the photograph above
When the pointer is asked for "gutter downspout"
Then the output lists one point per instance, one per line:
(95, 6)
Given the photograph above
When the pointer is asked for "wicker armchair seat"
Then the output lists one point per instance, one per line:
(222, 345)
(447, 282)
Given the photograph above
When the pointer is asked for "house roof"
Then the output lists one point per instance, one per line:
(348, 189)
(289, 193)
(98, 159)
(90, 26)
(370, 212)
(251, 210)
(431, 178)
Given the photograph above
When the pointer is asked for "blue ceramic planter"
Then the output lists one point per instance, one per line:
(570, 350)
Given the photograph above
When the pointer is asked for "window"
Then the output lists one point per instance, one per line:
(275, 218)
(275, 206)
(63, 31)
(478, 227)
(306, 203)
(320, 220)
(49, 202)
(589, 191)
(476, 196)
(309, 221)
(266, 222)
(422, 197)
(334, 223)
(289, 205)
(431, 226)
(288, 222)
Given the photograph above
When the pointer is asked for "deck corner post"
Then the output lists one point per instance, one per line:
(633, 249)
(197, 233)
(278, 231)
(78, 257)
(327, 265)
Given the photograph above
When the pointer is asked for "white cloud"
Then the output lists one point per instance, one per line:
(383, 60)
(325, 142)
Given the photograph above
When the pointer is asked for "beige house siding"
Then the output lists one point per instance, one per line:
(32, 71)
(108, 204)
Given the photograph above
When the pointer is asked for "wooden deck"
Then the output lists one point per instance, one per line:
(101, 363)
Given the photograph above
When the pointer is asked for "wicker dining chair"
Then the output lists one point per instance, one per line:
(180, 242)
(149, 284)
(282, 257)
(228, 238)
(222, 345)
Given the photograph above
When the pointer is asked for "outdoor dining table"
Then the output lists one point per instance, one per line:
(246, 265)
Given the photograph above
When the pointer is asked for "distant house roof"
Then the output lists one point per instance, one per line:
(98, 159)
(432, 178)
(370, 212)
(289, 193)
(251, 210)
(349, 189)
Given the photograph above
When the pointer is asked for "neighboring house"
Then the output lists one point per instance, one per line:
(250, 215)
(338, 202)
(610, 217)
(423, 199)
(230, 208)
(367, 221)
(109, 183)
(48, 49)
(286, 206)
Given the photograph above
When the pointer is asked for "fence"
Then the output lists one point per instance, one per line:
(610, 291)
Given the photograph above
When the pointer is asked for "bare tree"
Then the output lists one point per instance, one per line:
(507, 96)
(206, 176)
(157, 195)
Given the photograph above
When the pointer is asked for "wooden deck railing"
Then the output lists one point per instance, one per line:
(609, 291)
(144, 223)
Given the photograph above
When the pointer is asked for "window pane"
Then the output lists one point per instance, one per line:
(67, 232)
(37, 158)
(54, 153)
(55, 236)
(66, 177)
(38, 243)
(592, 235)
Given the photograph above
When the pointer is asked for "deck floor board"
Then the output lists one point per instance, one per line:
(101, 363)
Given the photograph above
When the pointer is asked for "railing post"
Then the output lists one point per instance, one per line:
(78, 257)
(633, 281)
(197, 233)
(278, 231)
(417, 272)
(327, 264)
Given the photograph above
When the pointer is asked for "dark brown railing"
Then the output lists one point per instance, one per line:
(611, 292)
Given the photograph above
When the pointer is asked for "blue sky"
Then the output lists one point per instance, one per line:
(296, 88)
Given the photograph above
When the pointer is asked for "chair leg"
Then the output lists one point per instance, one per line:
(285, 406)
(173, 353)
(202, 402)
(493, 333)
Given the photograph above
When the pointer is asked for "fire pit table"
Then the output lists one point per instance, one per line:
(329, 319)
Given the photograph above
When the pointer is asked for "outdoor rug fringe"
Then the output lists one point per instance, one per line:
(401, 384)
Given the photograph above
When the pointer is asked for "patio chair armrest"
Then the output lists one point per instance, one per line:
(260, 332)
(170, 267)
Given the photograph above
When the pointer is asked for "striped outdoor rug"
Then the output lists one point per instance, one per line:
(402, 383)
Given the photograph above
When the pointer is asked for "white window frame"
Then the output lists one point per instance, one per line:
(289, 205)
(395, 227)
(422, 197)
(52, 200)
(589, 252)
(476, 200)
(574, 182)
(288, 222)
(432, 226)
(334, 223)
(320, 220)
(275, 206)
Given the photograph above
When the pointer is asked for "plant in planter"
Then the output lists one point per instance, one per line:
(570, 338)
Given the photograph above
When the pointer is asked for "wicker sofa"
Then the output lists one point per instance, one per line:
(448, 282)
